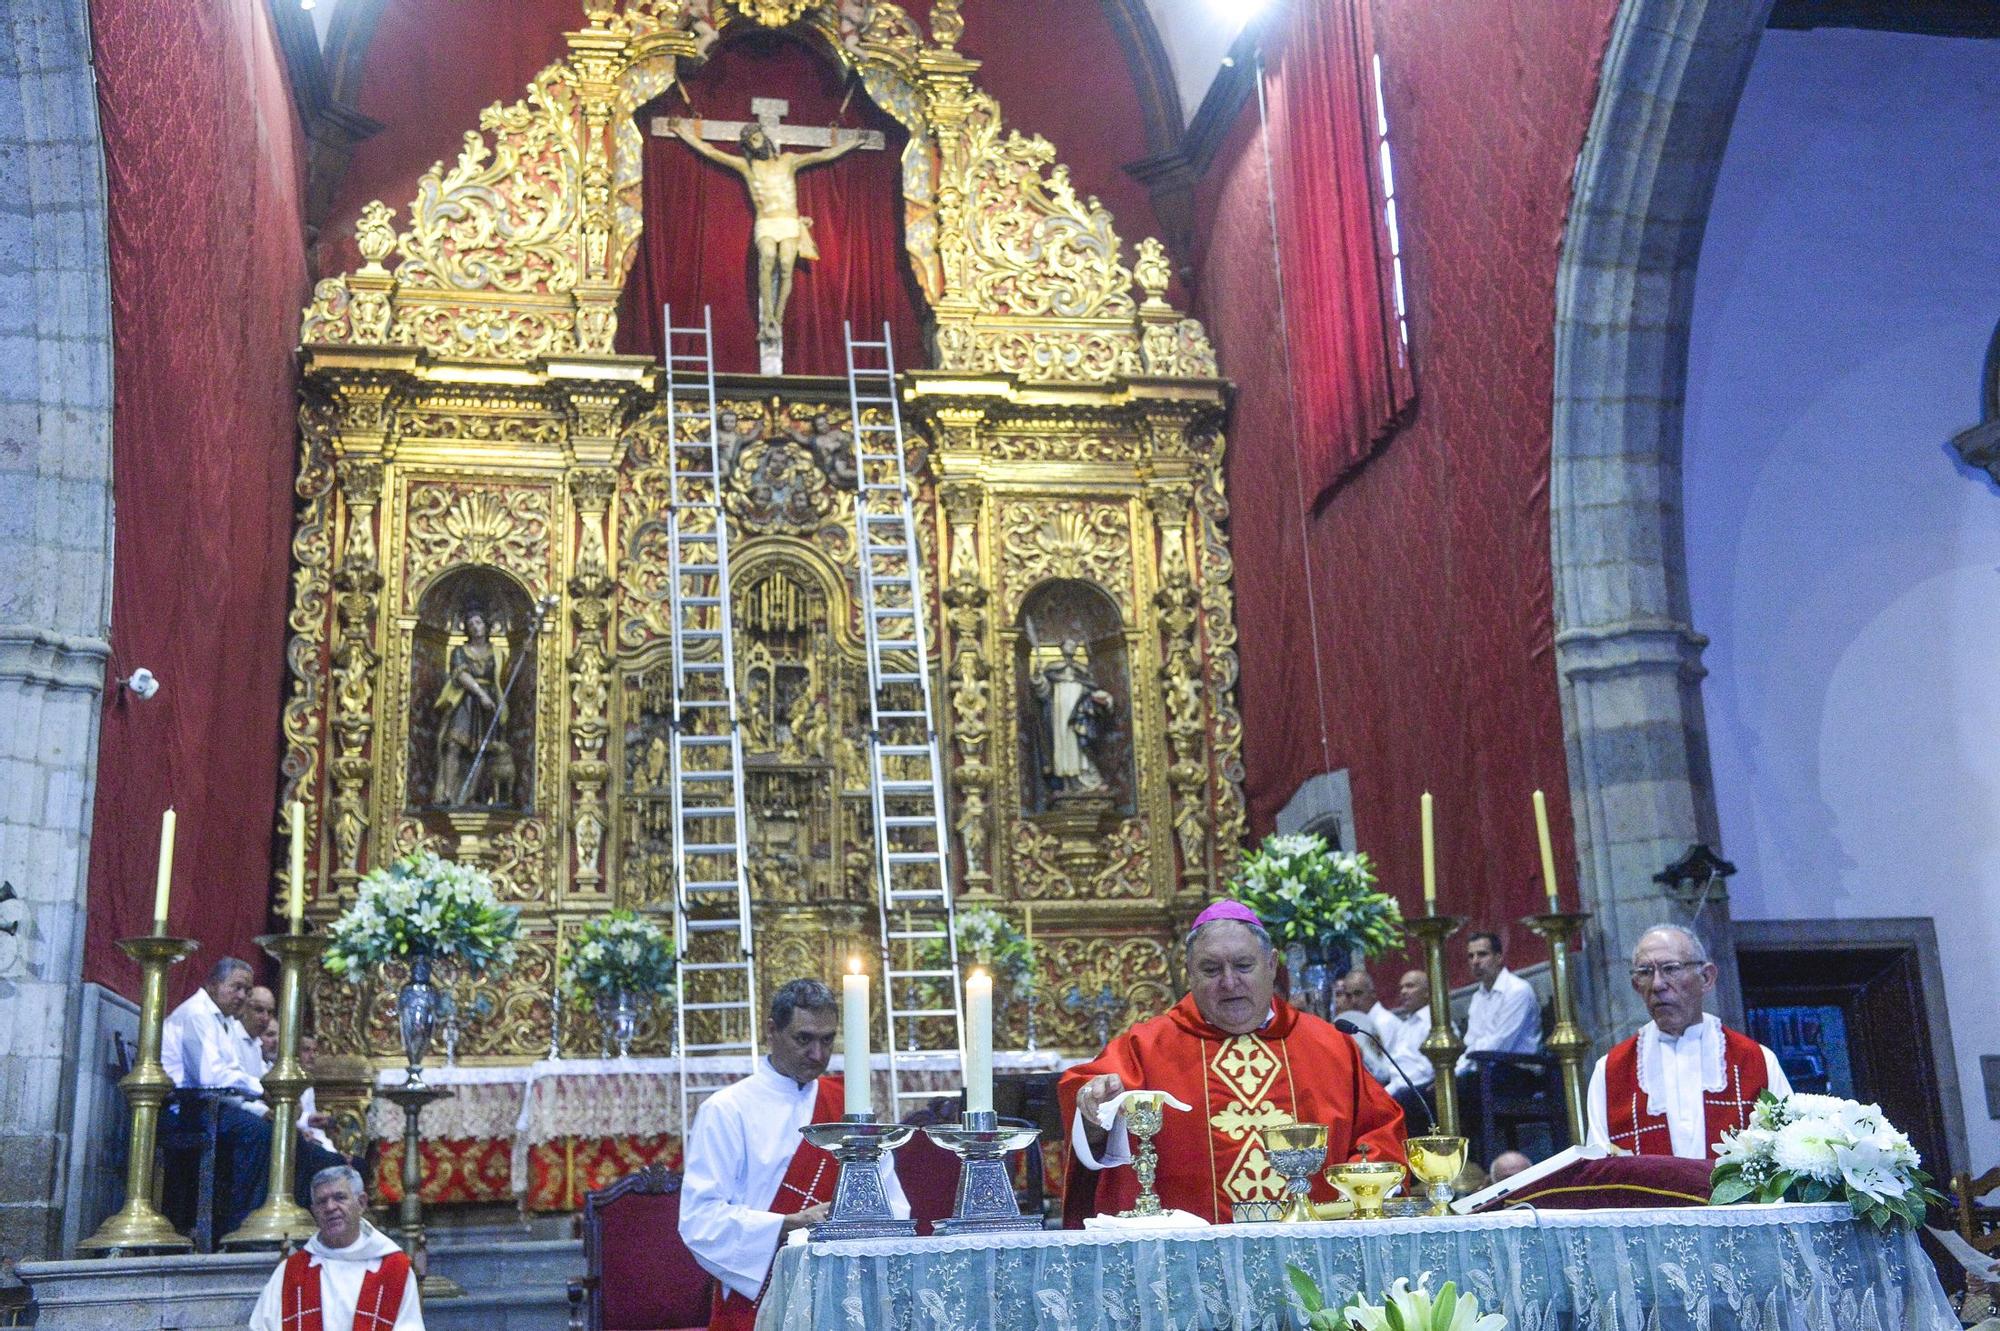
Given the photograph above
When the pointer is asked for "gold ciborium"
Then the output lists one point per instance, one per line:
(1436, 1161)
(1143, 1112)
(1367, 1182)
(1297, 1151)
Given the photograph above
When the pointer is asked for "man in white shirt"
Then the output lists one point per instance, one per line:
(1353, 1002)
(1685, 1078)
(202, 1047)
(1412, 1017)
(750, 1178)
(1504, 1018)
(259, 1019)
(348, 1277)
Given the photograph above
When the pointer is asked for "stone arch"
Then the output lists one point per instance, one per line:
(55, 600)
(1627, 654)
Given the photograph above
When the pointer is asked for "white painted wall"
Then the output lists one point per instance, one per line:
(1846, 566)
(1197, 34)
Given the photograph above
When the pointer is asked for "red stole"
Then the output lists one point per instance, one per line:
(1744, 1077)
(808, 1181)
(381, 1294)
(1296, 1069)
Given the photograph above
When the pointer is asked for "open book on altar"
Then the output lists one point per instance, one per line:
(1496, 1193)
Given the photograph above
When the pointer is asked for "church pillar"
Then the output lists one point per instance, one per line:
(55, 548)
(1626, 649)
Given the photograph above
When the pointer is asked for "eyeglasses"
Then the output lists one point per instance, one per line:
(1668, 971)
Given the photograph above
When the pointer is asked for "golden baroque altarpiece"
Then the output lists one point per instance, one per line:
(474, 450)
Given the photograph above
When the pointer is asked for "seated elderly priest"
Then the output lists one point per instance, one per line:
(1245, 1059)
(1685, 1078)
(348, 1277)
(751, 1178)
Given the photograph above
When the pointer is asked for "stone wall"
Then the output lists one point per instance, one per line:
(55, 531)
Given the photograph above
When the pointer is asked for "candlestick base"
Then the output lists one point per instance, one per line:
(985, 1201)
(860, 1208)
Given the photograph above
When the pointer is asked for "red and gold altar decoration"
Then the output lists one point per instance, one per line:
(471, 443)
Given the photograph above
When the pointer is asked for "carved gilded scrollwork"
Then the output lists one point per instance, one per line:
(971, 690)
(1219, 665)
(590, 667)
(505, 526)
(306, 654)
(1187, 730)
(1087, 541)
(356, 583)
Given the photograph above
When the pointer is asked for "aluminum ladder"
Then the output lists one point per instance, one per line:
(712, 926)
(921, 999)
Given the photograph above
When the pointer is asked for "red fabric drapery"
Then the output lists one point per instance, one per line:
(205, 166)
(696, 246)
(1350, 373)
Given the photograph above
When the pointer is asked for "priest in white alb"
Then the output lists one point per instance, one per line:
(749, 1178)
(348, 1277)
(1685, 1078)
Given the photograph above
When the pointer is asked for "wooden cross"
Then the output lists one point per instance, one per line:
(769, 112)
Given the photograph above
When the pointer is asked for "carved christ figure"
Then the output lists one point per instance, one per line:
(781, 236)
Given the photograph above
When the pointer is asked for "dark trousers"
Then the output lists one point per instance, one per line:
(1507, 1082)
(243, 1167)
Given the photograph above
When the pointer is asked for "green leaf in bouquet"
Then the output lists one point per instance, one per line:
(1306, 1287)
(1732, 1189)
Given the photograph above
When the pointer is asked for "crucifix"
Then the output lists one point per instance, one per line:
(780, 236)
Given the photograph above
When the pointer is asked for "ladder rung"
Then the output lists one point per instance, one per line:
(918, 934)
(897, 677)
(896, 645)
(931, 973)
(713, 1007)
(903, 750)
(733, 1047)
(713, 926)
(703, 741)
(909, 820)
(898, 1014)
(928, 894)
(906, 856)
(709, 776)
(714, 966)
(713, 848)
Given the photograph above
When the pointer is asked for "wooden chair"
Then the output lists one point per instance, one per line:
(638, 1275)
(1517, 1092)
(185, 1136)
(1978, 1225)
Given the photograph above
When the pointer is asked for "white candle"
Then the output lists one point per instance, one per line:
(1430, 860)
(298, 894)
(1548, 851)
(979, 1043)
(164, 882)
(854, 1040)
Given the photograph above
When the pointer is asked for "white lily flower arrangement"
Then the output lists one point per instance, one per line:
(423, 907)
(1308, 893)
(621, 951)
(1405, 1307)
(1818, 1148)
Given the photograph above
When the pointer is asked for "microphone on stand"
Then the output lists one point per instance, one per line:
(1353, 1028)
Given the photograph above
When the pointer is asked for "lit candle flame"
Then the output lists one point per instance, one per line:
(854, 965)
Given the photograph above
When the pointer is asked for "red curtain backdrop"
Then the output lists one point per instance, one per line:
(204, 161)
(696, 247)
(1351, 375)
(1431, 576)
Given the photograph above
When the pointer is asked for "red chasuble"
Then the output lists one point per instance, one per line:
(808, 1181)
(1296, 1069)
(1631, 1128)
(381, 1294)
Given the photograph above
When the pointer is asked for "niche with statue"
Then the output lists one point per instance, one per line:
(1075, 703)
(472, 695)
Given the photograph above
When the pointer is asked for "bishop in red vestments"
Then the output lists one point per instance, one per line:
(1245, 1060)
(750, 1178)
(1685, 1078)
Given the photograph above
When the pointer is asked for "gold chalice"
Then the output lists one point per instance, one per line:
(1367, 1182)
(1437, 1161)
(1143, 1112)
(1297, 1151)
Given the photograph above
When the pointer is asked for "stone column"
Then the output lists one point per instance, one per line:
(55, 567)
(1626, 649)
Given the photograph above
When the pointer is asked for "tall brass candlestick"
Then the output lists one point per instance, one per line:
(138, 1226)
(1442, 1046)
(415, 1244)
(280, 1220)
(1567, 1042)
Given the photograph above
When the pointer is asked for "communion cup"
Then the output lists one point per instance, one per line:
(1297, 1151)
(1367, 1182)
(1143, 1112)
(1436, 1161)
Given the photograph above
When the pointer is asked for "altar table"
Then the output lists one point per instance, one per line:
(1726, 1268)
(545, 1133)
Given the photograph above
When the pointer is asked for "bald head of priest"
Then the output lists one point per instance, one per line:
(1685, 1078)
(348, 1276)
(1242, 1059)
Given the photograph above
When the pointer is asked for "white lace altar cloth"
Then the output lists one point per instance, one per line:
(613, 1097)
(1727, 1268)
